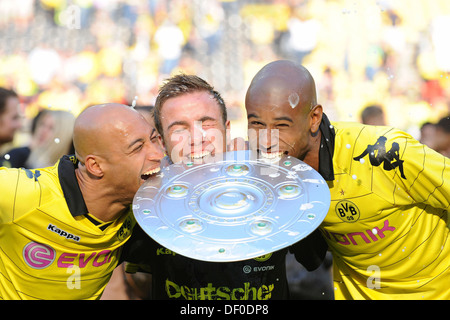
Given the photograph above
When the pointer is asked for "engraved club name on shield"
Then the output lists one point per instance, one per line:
(233, 207)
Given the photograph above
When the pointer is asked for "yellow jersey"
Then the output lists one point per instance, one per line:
(388, 222)
(50, 246)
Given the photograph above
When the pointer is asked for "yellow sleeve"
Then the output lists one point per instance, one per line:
(19, 191)
(426, 173)
(402, 170)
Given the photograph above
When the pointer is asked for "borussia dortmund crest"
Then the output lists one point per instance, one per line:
(264, 257)
(347, 211)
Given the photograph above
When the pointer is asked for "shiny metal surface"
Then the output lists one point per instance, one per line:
(233, 207)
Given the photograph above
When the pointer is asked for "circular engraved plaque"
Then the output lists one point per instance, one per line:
(233, 207)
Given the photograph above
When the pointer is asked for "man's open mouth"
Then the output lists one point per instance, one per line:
(150, 173)
(272, 155)
(200, 155)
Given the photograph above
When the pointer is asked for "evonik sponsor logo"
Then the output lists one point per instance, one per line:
(41, 256)
(361, 237)
(38, 256)
(248, 269)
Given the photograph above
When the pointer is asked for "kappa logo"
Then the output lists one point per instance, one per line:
(30, 174)
(62, 233)
(163, 251)
(378, 155)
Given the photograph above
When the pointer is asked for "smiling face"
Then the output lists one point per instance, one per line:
(275, 128)
(10, 120)
(135, 156)
(283, 116)
(116, 144)
(44, 129)
(193, 127)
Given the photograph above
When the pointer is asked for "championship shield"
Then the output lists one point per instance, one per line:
(232, 207)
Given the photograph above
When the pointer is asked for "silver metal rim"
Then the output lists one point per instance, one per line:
(233, 207)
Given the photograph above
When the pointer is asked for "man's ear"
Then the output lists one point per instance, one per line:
(227, 125)
(227, 135)
(315, 118)
(93, 166)
(237, 144)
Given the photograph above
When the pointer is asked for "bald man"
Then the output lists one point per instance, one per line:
(388, 223)
(62, 227)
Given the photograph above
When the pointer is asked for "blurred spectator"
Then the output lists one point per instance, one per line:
(51, 139)
(443, 136)
(210, 28)
(303, 34)
(10, 120)
(44, 63)
(378, 51)
(437, 135)
(373, 115)
(428, 135)
(439, 27)
(170, 41)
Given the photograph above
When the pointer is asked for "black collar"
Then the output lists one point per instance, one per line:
(326, 149)
(69, 185)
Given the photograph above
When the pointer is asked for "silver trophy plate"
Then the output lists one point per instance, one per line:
(233, 207)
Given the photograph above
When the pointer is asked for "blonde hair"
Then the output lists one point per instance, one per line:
(59, 143)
